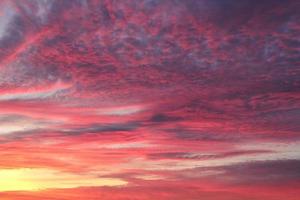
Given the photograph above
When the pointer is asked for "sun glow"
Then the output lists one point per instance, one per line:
(25, 179)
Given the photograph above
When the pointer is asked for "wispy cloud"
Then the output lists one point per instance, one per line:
(147, 99)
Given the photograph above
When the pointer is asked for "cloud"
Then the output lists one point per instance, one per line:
(7, 14)
(39, 93)
(11, 124)
(263, 172)
(164, 118)
(120, 111)
(199, 156)
(102, 128)
(180, 99)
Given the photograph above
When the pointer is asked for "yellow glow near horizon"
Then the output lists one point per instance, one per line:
(26, 179)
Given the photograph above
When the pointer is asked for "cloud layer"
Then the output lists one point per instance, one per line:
(194, 99)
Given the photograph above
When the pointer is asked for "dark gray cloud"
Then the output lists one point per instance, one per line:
(102, 128)
(262, 172)
(164, 118)
(199, 156)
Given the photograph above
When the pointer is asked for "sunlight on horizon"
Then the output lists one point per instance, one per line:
(33, 179)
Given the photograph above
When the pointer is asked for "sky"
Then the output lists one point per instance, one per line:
(149, 99)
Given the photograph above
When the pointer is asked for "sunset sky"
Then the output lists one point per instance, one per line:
(149, 99)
